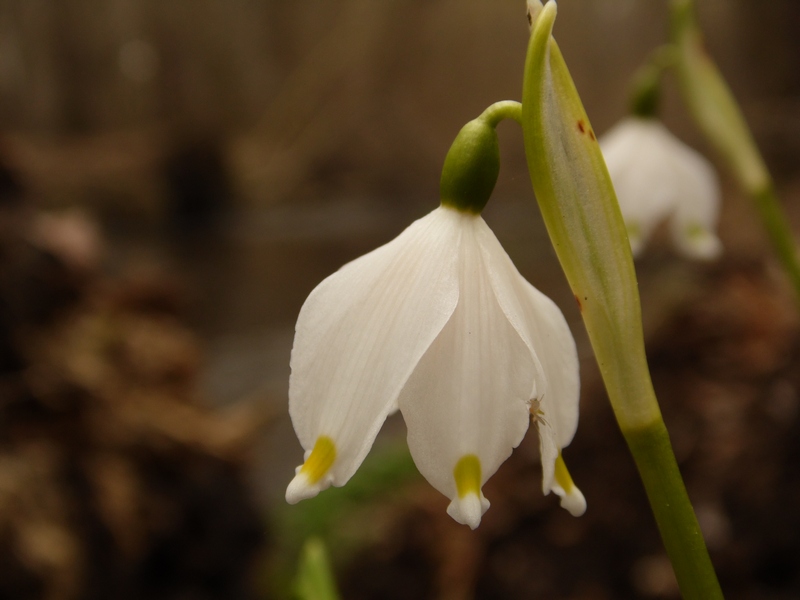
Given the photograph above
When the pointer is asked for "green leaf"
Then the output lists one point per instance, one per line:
(582, 216)
(711, 102)
(714, 108)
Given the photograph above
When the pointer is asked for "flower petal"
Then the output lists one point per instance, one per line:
(696, 204)
(541, 325)
(656, 175)
(466, 403)
(634, 157)
(572, 498)
(359, 336)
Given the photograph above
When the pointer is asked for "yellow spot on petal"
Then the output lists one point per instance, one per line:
(563, 478)
(695, 231)
(320, 460)
(468, 475)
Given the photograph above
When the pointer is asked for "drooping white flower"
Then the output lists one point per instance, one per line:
(439, 324)
(658, 177)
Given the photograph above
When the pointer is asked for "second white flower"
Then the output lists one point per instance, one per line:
(658, 177)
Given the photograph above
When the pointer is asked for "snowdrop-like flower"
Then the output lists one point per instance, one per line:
(656, 176)
(439, 324)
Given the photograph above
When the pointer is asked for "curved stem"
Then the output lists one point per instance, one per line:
(505, 109)
(645, 94)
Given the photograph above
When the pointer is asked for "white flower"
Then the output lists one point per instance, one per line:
(657, 176)
(439, 324)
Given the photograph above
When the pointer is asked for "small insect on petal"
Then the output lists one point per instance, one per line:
(469, 506)
(571, 497)
(537, 414)
(310, 479)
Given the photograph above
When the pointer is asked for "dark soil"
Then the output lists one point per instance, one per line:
(114, 483)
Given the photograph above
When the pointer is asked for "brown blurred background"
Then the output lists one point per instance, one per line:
(177, 177)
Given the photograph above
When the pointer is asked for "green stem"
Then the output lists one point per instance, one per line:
(646, 86)
(627, 378)
(717, 113)
(505, 109)
(673, 511)
(778, 231)
(582, 216)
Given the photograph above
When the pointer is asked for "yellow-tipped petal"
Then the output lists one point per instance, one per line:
(572, 498)
(469, 393)
(312, 477)
(468, 475)
(320, 460)
(469, 506)
(361, 333)
(469, 509)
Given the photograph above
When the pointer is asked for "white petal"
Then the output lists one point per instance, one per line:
(359, 335)
(573, 502)
(469, 393)
(634, 157)
(572, 498)
(469, 509)
(303, 487)
(696, 204)
(695, 242)
(542, 326)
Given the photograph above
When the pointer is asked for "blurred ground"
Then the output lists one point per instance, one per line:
(223, 158)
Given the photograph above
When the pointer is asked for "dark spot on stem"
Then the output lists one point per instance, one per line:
(581, 126)
(580, 306)
(591, 135)
(530, 18)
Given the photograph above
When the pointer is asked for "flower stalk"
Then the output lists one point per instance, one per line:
(583, 219)
(646, 88)
(718, 115)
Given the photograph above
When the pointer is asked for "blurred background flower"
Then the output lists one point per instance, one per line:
(176, 178)
(658, 177)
